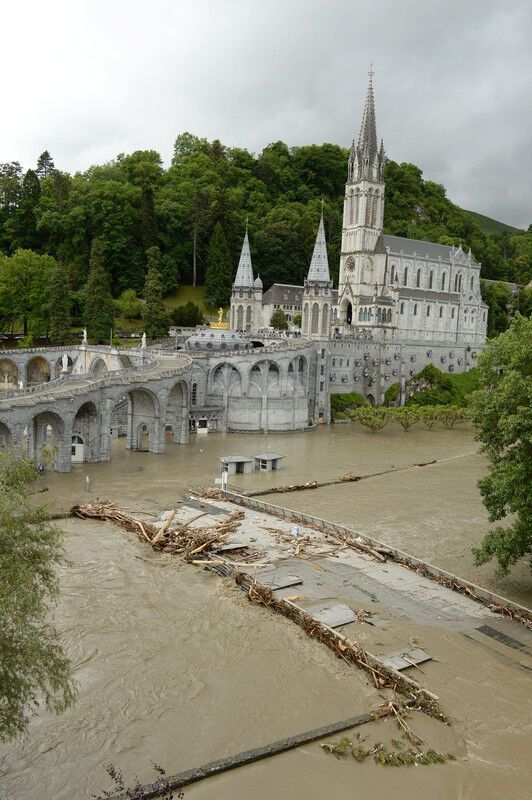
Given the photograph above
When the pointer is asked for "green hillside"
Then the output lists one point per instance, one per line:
(490, 225)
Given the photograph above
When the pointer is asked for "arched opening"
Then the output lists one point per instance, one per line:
(5, 436)
(144, 422)
(240, 318)
(62, 368)
(37, 371)
(86, 429)
(405, 276)
(371, 400)
(45, 437)
(443, 279)
(8, 376)
(315, 318)
(248, 318)
(325, 319)
(225, 380)
(349, 314)
(304, 322)
(418, 278)
(98, 368)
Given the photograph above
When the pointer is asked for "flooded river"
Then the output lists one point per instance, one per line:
(174, 666)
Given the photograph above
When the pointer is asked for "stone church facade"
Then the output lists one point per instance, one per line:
(407, 299)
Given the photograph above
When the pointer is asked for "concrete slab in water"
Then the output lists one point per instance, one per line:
(406, 658)
(332, 614)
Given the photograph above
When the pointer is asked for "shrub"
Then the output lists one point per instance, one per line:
(129, 305)
(187, 316)
(430, 416)
(392, 393)
(406, 417)
(373, 418)
(452, 415)
(343, 402)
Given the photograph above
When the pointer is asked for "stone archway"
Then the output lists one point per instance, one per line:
(9, 376)
(349, 314)
(46, 441)
(37, 371)
(6, 438)
(98, 368)
(86, 433)
(144, 422)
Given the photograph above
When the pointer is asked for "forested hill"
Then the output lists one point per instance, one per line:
(133, 203)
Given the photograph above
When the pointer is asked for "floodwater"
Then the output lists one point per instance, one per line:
(174, 666)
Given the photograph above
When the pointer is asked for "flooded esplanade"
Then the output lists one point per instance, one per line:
(175, 666)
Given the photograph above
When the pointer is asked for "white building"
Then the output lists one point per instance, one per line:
(399, 289)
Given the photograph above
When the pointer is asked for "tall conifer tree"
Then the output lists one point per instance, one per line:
(99, 307)
(154, 316)
(219, 270)
(60, 306)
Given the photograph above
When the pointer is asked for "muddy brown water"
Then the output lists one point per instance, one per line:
(174, 666)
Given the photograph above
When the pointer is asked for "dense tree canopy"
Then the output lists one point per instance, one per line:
(33, 667)
(133, 203)
(501, 412)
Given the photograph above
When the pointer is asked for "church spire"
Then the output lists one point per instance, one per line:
(366, 160)
(319, 264)
(244, 273)
(367, 141)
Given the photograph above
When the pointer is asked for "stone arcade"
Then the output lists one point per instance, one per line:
(400, 304)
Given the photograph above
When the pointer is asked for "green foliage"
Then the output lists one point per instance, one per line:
(452, 415)
(129, 305)
(406, 417)
(373, 418)
(153, 315)
(498, 298)
(392, 393)
(340, 403)
(444, 389)
(298, 318)
(187, 316)
(430, 416)
(278, 320)
(33, 666)
(99, 308)
(25, 279)
(383, 756)
(489, 225)
(60, 305)
(500, 409)
(219, 270)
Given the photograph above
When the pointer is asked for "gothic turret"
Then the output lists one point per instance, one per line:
(246, 295)
(366, 159)
(317, 292)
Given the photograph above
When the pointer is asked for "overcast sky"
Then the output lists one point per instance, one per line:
(88, 79)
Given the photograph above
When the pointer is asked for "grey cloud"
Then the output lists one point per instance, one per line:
(453, 83)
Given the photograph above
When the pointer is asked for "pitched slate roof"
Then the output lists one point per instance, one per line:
(244, 273)
(319, 264)
(283, 294)
(419, 247)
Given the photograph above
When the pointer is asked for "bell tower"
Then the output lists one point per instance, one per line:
(361, 263)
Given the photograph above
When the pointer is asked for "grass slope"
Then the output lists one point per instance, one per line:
(186, 294)
(490, 225)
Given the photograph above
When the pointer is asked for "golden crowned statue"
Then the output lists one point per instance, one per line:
(220, 325)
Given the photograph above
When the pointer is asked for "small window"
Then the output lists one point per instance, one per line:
(415, 309)
(472, 283)
(443, 277)
(418, 278)
(194, 393)
(321, 386)
(347, 363)
(402, 311)
(441, 312)
(321, 369)
(405, 276)
(452, 313)
(334, 362)
(431, 279)
(428, 311)
(323, 353)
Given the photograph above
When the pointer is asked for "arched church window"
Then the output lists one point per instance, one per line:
(441, 312)
(357, 205)
(405, 276)
(351, 208)
(428, 311)
(431, 279)
(360, 313)
(378, 315)
(452, 313)
(194, 394)
(415, 309)
(472, 282)
(369, 206)
(456, 283)
(389, 315)
(418, 278)
(402, 309)
(374, 206)
(443, 278)
(315, 318)
(460, 283)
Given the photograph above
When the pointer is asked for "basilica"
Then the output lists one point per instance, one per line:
(391, 289)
